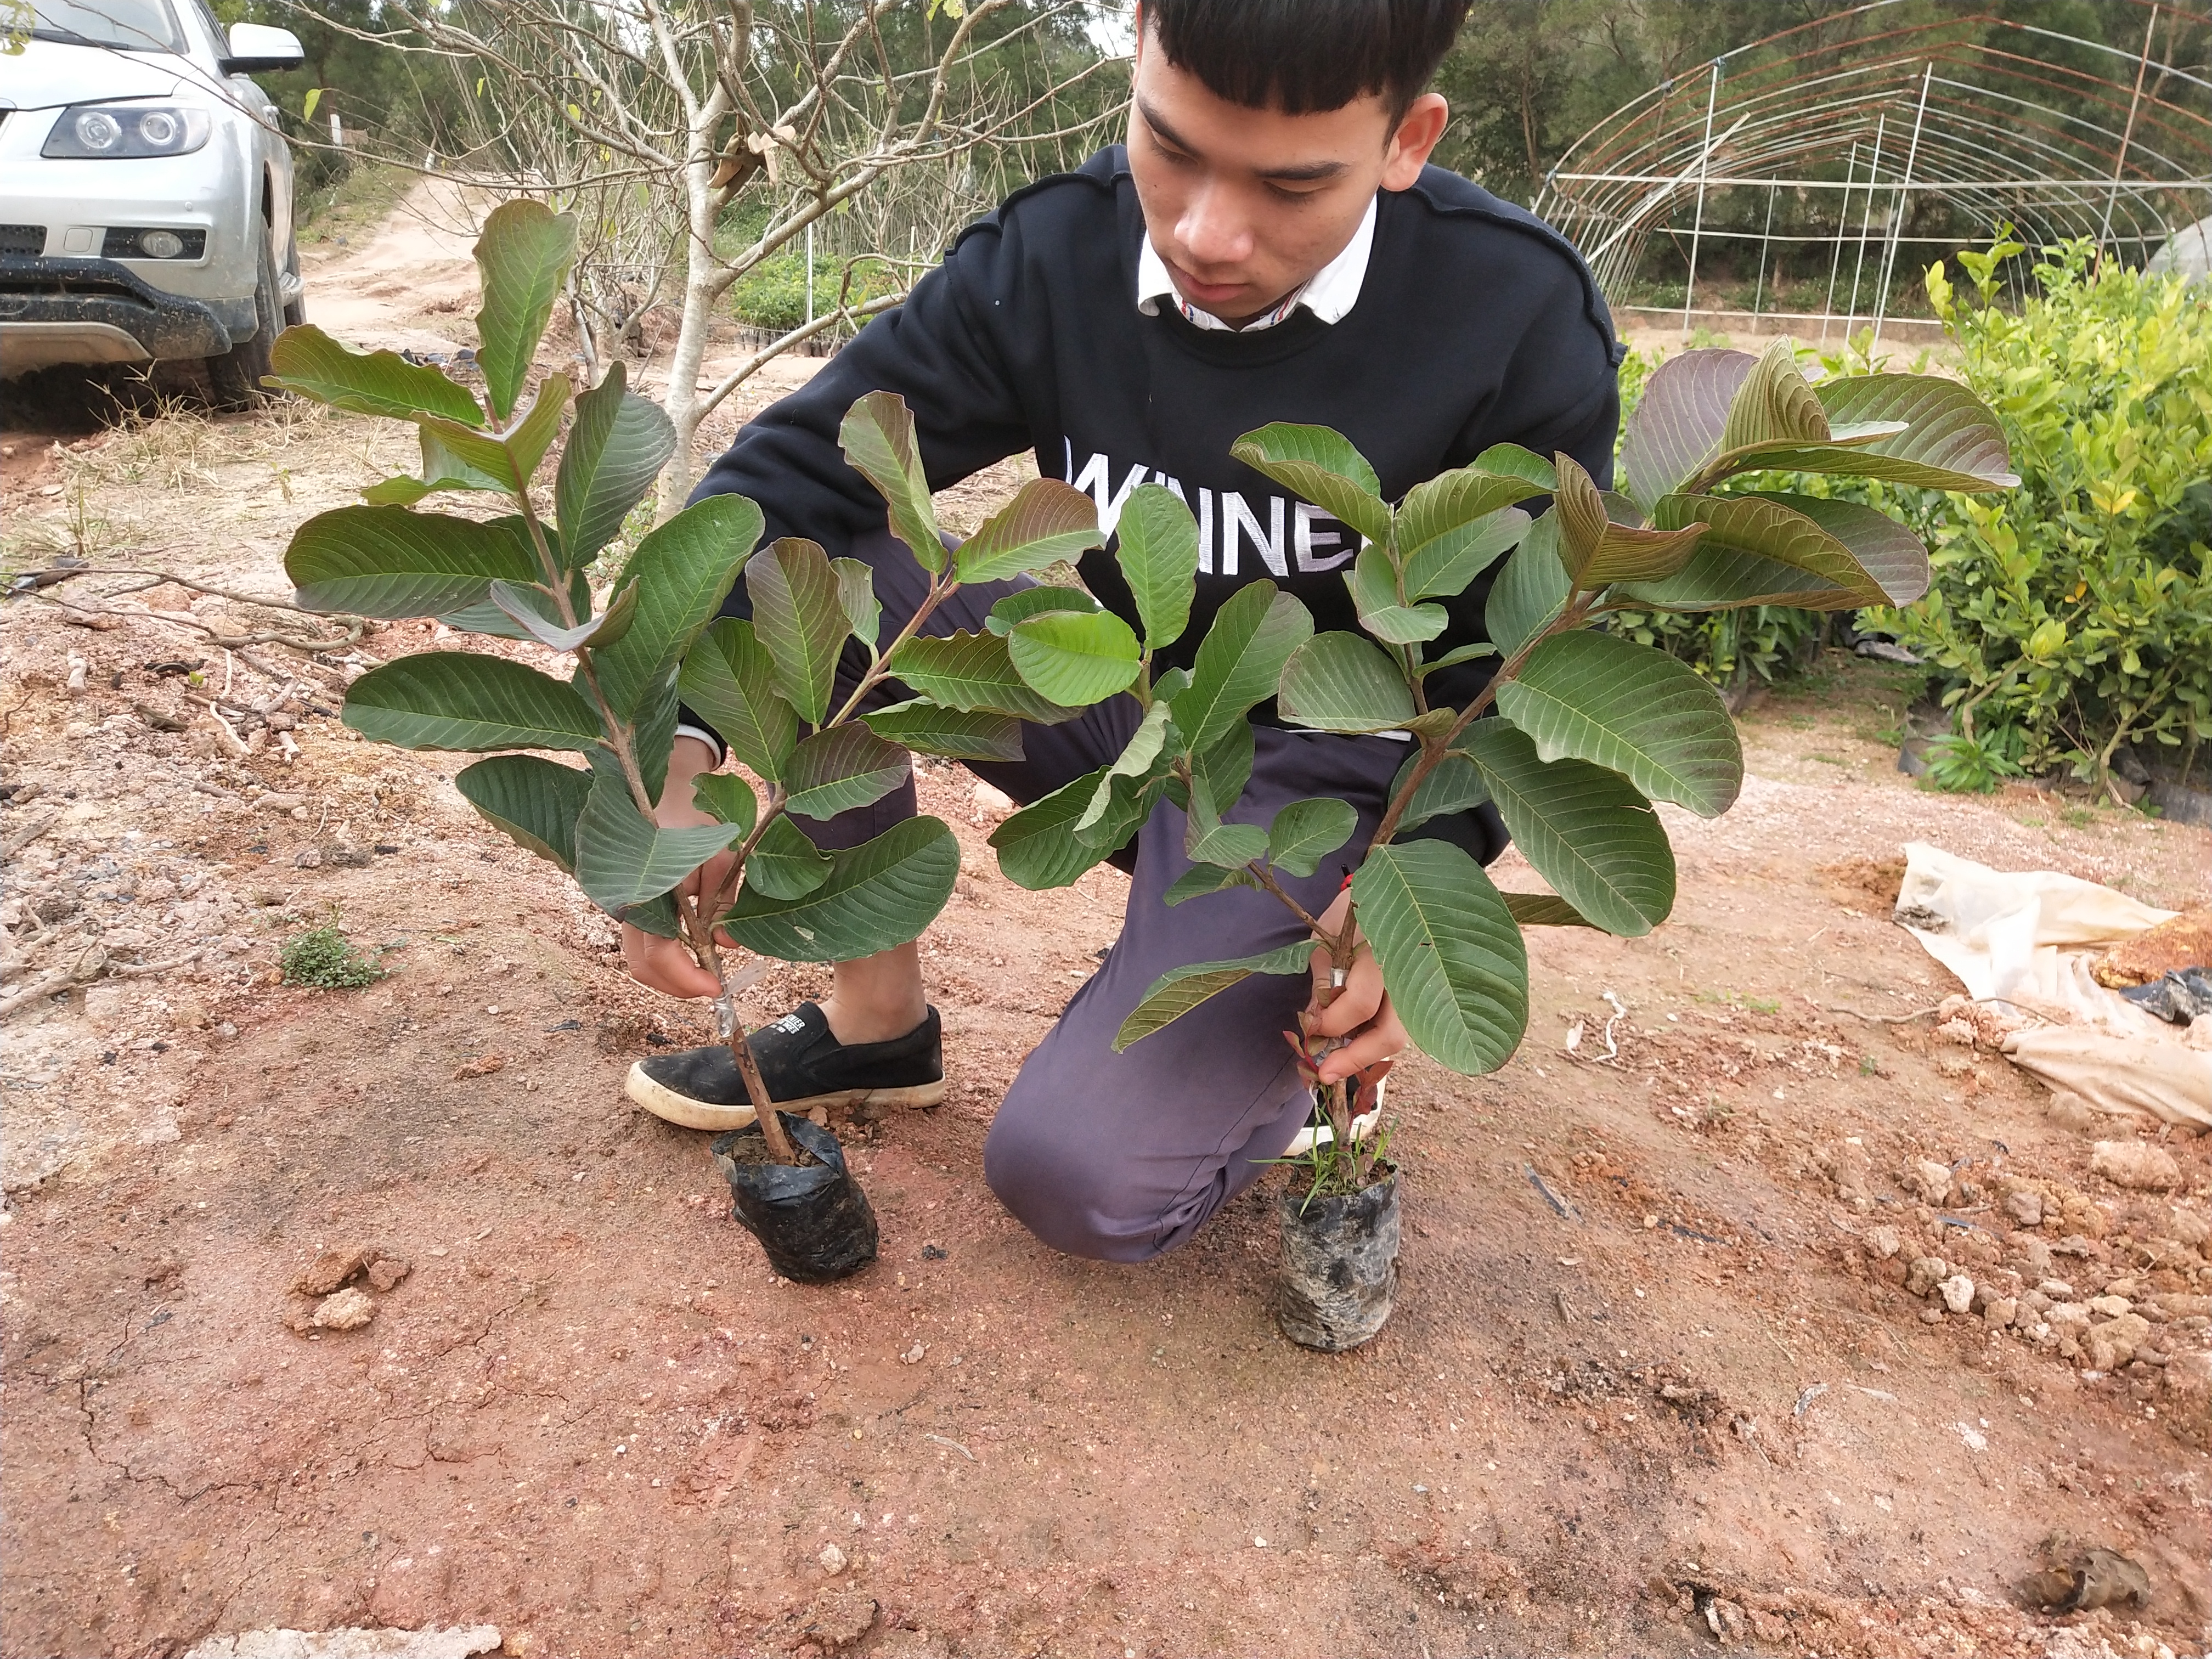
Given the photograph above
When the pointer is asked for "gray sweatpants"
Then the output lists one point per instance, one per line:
(1122, 1157)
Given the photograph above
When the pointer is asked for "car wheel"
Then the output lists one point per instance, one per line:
(296, 313)
(235, 377)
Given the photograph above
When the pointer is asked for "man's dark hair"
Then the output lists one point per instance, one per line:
(1302, 57)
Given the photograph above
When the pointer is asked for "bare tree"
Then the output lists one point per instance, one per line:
(694, 142)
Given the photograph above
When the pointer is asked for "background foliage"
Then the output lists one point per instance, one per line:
(2075, 616)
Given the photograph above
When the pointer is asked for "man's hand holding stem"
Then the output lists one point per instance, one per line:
(666, 964)
(1359, 1011)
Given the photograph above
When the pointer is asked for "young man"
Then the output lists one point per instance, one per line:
(1270, 244)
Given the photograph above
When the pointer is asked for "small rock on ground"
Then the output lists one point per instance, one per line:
(2135, 1163)
(347, 1310)
(330, 1270)
(386, 1271)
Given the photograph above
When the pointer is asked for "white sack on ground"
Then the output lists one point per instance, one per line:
(2026, 940)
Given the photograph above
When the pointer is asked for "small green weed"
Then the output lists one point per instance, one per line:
(321, 957)
(2079, 817)
(1959, 764)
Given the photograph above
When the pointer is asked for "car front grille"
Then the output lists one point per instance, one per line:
(23, 239)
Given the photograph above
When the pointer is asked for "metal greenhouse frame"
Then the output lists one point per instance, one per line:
(1876, 143)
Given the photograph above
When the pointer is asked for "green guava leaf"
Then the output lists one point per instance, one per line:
(1230, 846)
(464, 700)
(1203, 878)
(1584, 828)
(1074, 658)
(877, 895)
(527, 607)
(1045, 523)
(389, 563)
(878, 435)
(920, 724)
(856, 597)
(1179, 990)
(1240, 661)
(441, 469)
(510, 457)
(524, 255)
(1320, 466)
(1038, 848)
(1137, 760)
(1512, 461)
(1373, 585)
(1157, 547)
(729, 680)
(623, 857)
(616, 448)
(1453, 786)
(1633, 709)
(1223, 770)
(534, 801)
(310, 362)
(1305, 832)
(1542, 910)
(1035, 602)
(1450, 529)
(729, 798)
(973, 672)
(684, 570)
(784, 864)
(799, 614)
(1450, 952)
(1529, 591)
(842, 767)
(1338, 682)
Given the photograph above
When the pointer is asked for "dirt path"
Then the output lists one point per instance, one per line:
(1656, 1383)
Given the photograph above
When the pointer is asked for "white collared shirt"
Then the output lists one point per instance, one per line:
(1329, 293)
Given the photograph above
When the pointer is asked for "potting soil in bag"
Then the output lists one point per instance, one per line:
(812, 1218)
(1340, 1265)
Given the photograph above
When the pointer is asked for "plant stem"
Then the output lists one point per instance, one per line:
(699, 935)
(940, 589)
(1432, 755)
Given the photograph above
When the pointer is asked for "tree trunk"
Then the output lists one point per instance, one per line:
(704, 283)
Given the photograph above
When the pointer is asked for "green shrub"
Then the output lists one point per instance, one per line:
(2074, 615)
(321, 957)
(773, 293)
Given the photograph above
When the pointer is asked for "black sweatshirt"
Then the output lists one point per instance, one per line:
(1476, 325)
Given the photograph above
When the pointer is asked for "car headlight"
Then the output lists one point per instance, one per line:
(93, 130)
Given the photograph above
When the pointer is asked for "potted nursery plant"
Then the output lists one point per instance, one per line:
(766, 685)
(1576, 735)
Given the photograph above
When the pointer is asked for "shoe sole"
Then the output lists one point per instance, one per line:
(666, 1104)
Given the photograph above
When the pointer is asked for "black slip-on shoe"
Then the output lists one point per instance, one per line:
(803, 1064)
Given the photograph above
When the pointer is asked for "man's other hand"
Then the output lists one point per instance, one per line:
(1360, 1010)
(664, 963)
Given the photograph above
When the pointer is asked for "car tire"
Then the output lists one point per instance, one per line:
(235, 377)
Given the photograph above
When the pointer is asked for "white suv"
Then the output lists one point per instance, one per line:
(145, 191)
